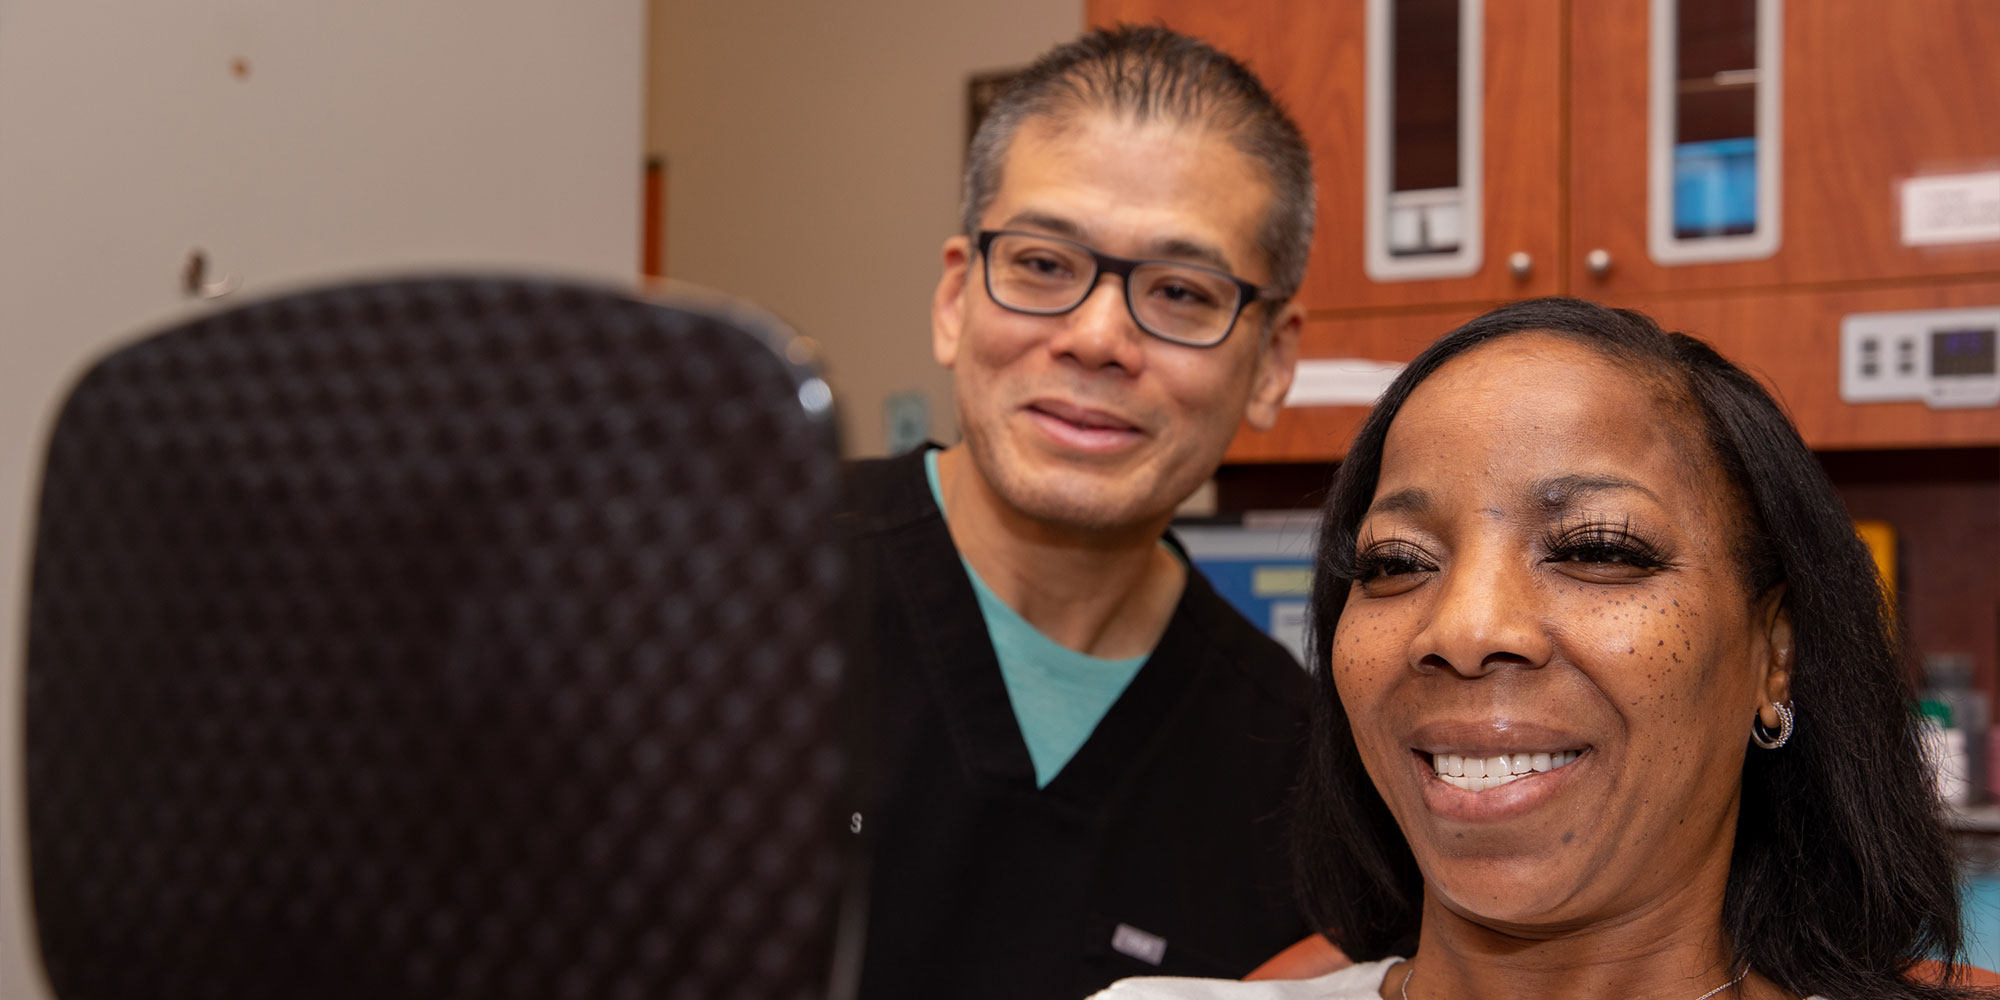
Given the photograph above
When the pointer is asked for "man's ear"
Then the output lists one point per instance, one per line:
(1775, 620)
(949, 302)
(1276, 362)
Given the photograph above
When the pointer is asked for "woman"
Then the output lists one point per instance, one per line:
(1620, 709)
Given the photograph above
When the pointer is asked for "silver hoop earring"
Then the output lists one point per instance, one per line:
(1761, 736)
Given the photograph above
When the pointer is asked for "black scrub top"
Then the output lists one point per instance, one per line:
(1160, 849)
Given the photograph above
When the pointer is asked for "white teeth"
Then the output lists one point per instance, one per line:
(1477, 774)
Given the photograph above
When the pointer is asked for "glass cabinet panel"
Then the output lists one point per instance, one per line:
(1714, 137)
(1425, 122)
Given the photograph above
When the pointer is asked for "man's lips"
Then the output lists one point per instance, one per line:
(1085, 417)
(1083, 430)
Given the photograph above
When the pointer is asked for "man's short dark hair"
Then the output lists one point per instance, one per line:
(1147, 73)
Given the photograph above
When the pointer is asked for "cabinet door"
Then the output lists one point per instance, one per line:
(1312, 54)
(1870, 95)
(1791, 340)
(1322, 433)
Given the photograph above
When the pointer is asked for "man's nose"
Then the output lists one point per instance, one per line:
(1100, 332)
(1486, 614)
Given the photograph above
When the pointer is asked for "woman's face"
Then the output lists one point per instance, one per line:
(1548, 613)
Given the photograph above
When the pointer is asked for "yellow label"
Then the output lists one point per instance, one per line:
(1881, 540)
(1281, 581)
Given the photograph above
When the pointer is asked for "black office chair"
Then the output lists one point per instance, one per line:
(449, 637)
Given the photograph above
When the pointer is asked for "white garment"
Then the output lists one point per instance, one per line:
(1356, 982)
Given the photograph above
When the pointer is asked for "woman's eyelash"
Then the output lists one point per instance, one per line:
(1603, 543)
(1389, 559)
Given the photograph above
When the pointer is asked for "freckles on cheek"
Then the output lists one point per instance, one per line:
(1360, 641)
(1614, 631)
(1664, 679)
(1361, 661)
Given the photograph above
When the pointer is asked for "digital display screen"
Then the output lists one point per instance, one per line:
(1962, 351)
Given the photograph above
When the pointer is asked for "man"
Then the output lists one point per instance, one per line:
(1083, 753)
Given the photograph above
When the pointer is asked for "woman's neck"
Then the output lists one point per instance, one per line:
(1662, 952)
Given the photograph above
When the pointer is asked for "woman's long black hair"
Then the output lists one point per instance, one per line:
(1843, 875)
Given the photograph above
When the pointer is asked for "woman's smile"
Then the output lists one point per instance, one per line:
(1492, 770)
(1478, 773)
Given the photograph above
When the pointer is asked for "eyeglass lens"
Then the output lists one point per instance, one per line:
(1039, 275)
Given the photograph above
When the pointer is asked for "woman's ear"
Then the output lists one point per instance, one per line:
(1775, 622)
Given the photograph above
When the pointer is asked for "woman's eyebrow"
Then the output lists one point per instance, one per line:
(1558, 493)
(1408, 501)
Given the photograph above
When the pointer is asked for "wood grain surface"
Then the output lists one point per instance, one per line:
(1874, 94)
(1310, 53)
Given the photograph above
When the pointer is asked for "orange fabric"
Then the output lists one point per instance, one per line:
(1316, 956)
(1932, 971)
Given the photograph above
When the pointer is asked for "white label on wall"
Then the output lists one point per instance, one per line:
(1340, 381)
(1959, 208)
(906, 420)
(1288, 626)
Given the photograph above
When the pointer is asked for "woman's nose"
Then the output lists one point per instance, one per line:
(1486, 614)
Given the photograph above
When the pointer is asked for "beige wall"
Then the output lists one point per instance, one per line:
(293, 142)
(814, 149)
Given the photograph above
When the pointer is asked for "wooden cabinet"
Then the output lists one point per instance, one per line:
(1868, 95)
(1310, 53)
(1872, 94)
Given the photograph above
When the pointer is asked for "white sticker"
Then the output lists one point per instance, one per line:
(1340, 381)
(1133, 942)
(1288, 626)
(906, 420)
(1960, 208)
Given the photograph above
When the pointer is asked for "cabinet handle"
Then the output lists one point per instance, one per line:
(1520, 263)
(1598, 262)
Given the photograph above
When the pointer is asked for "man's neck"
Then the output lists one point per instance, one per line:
(1108, 593)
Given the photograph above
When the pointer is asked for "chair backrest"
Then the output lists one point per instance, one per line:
(442, 637)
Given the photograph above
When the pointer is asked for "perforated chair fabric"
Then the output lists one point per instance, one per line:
(452, 637)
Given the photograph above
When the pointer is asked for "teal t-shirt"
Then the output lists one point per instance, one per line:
(1059, 695)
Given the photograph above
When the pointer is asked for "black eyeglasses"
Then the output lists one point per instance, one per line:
(1046, 276)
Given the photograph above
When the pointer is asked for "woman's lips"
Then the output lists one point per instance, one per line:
(1515, 795)
(1489, 770)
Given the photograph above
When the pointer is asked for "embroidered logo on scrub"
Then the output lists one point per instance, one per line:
(1132, 942)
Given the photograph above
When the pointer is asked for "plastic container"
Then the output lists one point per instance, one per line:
(1960, 715)
(1715, 187)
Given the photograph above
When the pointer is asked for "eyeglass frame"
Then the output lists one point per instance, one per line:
(1104, 263)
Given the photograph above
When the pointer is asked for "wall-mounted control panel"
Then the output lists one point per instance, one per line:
(1945, 358)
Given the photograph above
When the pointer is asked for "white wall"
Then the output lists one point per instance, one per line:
(362, 135)
(814, 151)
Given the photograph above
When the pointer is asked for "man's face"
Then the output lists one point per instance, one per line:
(1083, 420)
